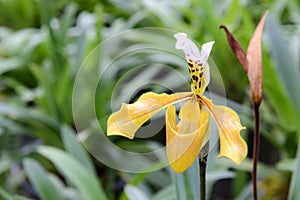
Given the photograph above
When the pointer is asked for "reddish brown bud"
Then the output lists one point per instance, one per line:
(236, 48)
(255, 62)
(251, 61)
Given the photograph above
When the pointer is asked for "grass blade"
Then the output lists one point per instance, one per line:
(40, 181)
(75, 172)
(73, 146)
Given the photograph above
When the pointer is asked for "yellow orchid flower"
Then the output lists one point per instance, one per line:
(185, 139)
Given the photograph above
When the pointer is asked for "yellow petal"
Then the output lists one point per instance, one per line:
(184, 140)
(232, 145)
(130, 117)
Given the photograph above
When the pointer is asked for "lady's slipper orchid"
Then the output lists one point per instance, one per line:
(185, 139)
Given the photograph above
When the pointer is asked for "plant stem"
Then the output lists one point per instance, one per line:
(202, 164)
(255, 150)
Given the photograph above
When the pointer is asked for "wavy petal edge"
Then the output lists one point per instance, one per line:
(131, 117)
(232, 145)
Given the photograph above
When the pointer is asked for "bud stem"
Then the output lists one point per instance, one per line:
(255, 150)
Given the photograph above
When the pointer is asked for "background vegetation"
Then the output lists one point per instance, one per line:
(43, 44)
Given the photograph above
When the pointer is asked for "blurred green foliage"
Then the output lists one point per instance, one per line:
(42, 46)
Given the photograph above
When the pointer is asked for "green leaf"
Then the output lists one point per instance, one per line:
(187, 183)
(101, 147)
(285, 64)
(9, 64)
(32, 121)
(273, 90)
(168, 193)
(18, 197)
(45, 82)
(6, 196)
(20, 113)
(5, 164)
(67, 20)
(247, 193)
(133, 193)
(287, 164)
(78, 174)
(73, 146)
(40, 180)
(63, 94)
(294, 192)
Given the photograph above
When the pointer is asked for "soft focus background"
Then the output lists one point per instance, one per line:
(42, 45)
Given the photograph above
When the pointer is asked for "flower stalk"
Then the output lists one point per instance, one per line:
(202, 166)
(252, 64)
(255, 150)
